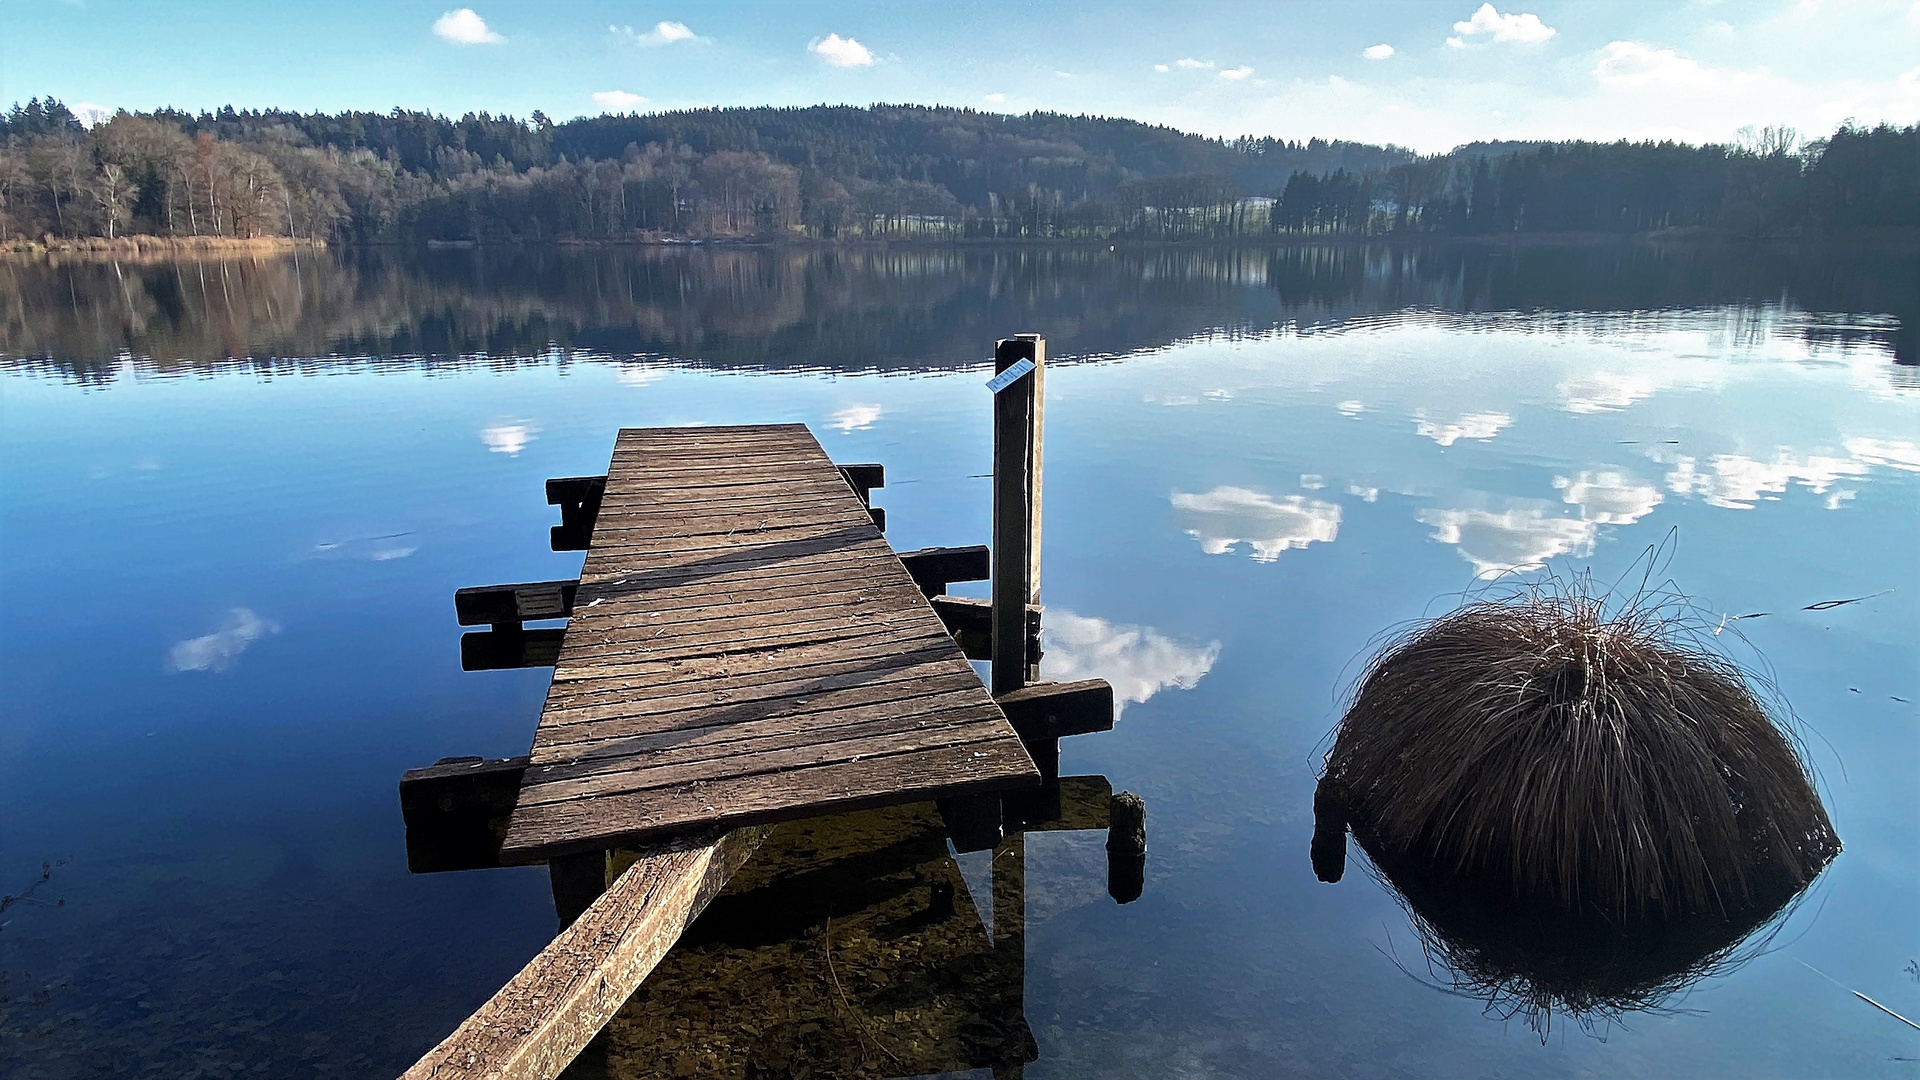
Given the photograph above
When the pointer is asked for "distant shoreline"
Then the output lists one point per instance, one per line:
(158, 247)
(145, 247)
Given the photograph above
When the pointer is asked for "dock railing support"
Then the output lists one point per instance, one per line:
(1016, 508)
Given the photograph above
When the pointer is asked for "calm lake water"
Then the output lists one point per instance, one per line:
(238, 496)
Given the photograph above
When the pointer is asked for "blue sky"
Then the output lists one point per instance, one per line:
(1424, 74)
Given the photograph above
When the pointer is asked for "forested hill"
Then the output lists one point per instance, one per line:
(889, 171)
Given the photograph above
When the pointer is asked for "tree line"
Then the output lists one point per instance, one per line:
(840, 172)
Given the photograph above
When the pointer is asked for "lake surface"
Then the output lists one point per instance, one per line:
(239, 494)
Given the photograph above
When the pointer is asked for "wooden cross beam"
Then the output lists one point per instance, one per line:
(578, 498)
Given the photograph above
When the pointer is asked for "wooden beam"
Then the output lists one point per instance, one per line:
(935, 568)
(492, 650)
(456, 812)
(863, 479)
(1056, 710)
(1037, 352)
(541, 1020)
(970, 621)
(504, 604)
(578, 498)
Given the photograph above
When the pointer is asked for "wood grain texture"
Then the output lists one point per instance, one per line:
(545, 1015)
(746, 648)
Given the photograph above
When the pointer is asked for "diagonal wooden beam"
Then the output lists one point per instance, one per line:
(541, 1020)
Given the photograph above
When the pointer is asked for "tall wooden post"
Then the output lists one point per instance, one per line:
(1016, 508)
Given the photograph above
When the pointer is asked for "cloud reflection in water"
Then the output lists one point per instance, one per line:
(218, 651)
(1522, 537)
(1137, 660)
(1225, 517)
(1609, 497)
(1478, 425)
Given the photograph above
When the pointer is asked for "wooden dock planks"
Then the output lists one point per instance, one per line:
(745, 647)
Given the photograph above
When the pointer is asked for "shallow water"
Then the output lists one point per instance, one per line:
(237, 496)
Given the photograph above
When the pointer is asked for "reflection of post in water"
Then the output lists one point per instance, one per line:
(848, 946)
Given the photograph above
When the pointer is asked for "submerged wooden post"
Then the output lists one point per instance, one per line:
(1016, 507)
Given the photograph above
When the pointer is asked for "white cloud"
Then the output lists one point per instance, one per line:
(1504, 28)
(217, 651)
(841, 52)
(1609, 497)
(1226, 517)
(663, 33)
(1909, 81)
(618, 100)
(1481, 425)
(1312, 481)
(995, 99)
(1238, 73)
(1351, 408)
(90, 114)
(1190, 64)
(462, 27)
(1365, 493)
(1377, 52)
(1522, 537)
(509, 436)
(1160, 67)
(854, 418)
(1630, 63)
(1138, 661)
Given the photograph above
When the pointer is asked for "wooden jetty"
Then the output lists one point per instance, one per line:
(742, 648)
(745, 647)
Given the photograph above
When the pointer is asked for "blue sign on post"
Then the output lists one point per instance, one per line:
(1010, 376)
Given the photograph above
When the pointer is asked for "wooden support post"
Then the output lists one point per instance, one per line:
(456, 811)
(578, 880)
(973, 821)
(1126, 847)
(1010, 895)
(1016, 499)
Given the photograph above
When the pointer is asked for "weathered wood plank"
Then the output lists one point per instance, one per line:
(773, 756)
(545, 1015)
(750, 800)
(899, 690)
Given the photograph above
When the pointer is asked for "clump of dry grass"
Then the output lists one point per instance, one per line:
(1566, 754)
